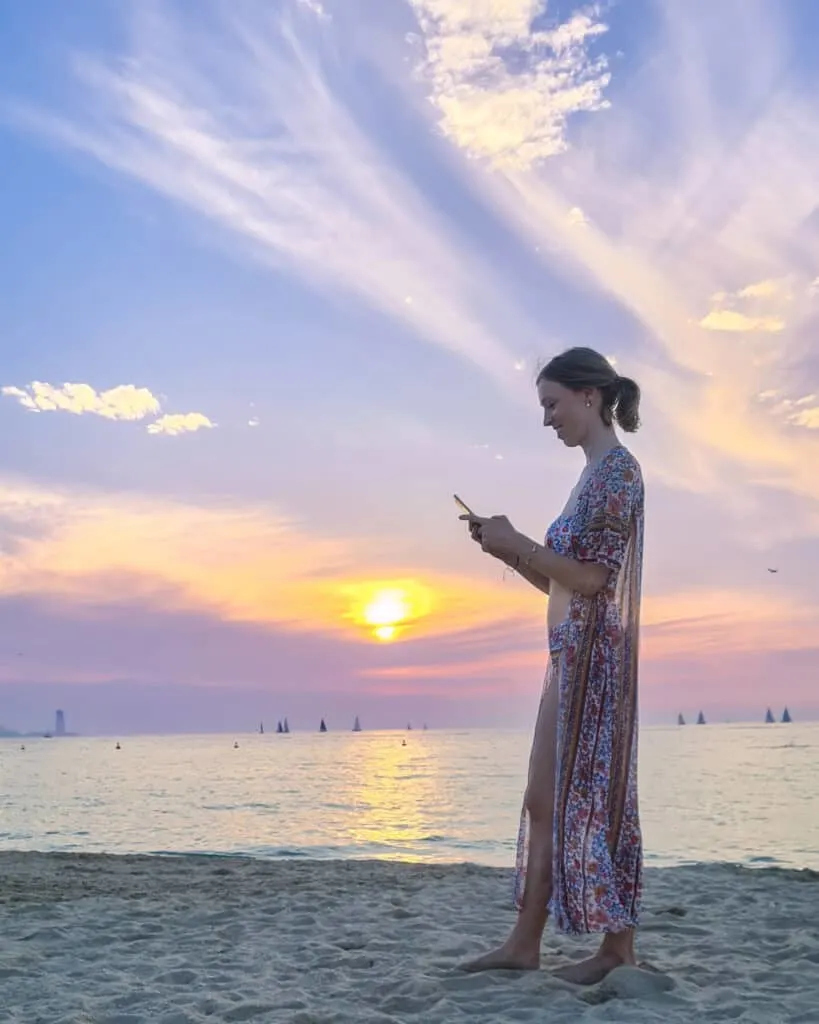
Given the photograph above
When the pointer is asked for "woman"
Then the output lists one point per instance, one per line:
(580, 845)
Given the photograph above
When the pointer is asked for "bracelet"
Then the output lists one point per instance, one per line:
(528, 558)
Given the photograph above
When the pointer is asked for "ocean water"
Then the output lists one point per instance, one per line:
(745, 794)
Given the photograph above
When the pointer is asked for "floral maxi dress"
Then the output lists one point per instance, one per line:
(597, 842)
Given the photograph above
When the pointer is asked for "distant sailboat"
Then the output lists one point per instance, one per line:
(700, 719)
(425, 726)
(279, 726)
(286, 726)
(261, 728)
(786, 717)
(768, 717)
(680, 720)
(409, 726)
(356, 725)
(323, 726)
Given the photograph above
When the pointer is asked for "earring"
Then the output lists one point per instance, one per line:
(588, 403)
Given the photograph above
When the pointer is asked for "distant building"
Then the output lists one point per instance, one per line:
(59, 725)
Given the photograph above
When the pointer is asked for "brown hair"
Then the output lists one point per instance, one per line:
(579, 368)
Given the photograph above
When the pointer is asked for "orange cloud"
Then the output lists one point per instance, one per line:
(251, 564)
(245, 563)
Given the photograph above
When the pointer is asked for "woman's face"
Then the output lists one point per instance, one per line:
(566, 412)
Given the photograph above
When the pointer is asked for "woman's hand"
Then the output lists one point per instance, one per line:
(495, 534)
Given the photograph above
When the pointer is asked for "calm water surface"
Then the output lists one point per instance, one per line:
(748, 794)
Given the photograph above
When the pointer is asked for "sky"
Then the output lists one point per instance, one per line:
(276, 280)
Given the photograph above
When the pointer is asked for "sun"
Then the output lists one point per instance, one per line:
(386, 611)
(387, 608)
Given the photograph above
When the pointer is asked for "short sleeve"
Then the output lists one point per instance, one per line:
(615, 496)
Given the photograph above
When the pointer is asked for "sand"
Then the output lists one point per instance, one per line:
(91, 939)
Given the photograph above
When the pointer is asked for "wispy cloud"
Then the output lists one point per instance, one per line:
(721, 195)
(240, 123)
(124, 402)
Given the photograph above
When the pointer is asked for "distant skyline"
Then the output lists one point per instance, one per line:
(276, 280)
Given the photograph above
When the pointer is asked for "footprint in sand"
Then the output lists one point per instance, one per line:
(635, 983)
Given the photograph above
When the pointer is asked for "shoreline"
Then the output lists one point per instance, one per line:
(184, 938)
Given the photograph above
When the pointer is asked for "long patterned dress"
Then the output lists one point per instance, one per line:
(597, 842)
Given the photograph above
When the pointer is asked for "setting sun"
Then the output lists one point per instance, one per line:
(386, 611)
(385, 607)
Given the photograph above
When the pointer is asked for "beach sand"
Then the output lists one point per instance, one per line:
(92, 939)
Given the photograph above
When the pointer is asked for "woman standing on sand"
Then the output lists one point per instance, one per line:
(580, 850)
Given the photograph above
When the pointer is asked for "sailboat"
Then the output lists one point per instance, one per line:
(700, 719)
(286, 727)
(409, 726)
(323, 726)
(680, 720)
(768, 717)
(786, 717)
(356, 725)
(279, 726)
(261, 728)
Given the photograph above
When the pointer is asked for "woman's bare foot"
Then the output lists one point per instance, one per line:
(507, 957)
(593, 970)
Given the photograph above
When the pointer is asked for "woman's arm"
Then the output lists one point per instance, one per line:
(529, 574)
(535, 560)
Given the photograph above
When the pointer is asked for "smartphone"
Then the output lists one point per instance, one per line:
(463, 505)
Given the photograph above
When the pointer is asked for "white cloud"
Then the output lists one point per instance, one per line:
(124, 402)
(179, 423)
(765, 290)
(758, 307)
(504, 90)
(807, 418)
(576, 217)
(733, 320)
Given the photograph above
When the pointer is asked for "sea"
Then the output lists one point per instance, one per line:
(745, 794)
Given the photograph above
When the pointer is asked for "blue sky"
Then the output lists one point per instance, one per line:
(277, 280)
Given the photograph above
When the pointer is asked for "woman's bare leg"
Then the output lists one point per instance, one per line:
(521, 950)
